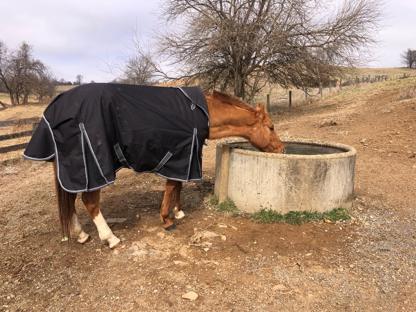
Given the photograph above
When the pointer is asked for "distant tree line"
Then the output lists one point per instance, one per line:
(22, 76)
(409, 58)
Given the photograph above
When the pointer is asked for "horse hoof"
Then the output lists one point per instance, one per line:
(113, 241)
(179, 215)
(170, 227)
(82, 237)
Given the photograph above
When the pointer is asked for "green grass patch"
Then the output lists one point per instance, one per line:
(213, 200)
(299, 217)
(227, 206)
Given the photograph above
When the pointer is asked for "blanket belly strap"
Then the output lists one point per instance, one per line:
(164, 160)
(120, 155)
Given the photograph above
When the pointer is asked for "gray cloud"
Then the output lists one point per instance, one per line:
(83, 37)
(78, 37)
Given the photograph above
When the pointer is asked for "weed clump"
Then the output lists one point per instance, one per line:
(300, 217)
(227, 206)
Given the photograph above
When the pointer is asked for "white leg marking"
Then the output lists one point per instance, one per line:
(76, 230)
(104, 231)
(179, 214)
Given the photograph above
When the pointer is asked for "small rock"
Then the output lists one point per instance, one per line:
(161, 235)
(184, 251)
(153, 229)
(180, 263)
(116, 220)
(223, 237)
(199, 236)
(190, 295)
(364, 142)
(211, 262)
(224, 226)
(279, 287)
(327, 123)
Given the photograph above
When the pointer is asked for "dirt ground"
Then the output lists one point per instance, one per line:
(365, 264)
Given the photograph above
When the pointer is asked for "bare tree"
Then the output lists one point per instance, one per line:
(140, 68)
(44, 86)
(409, 58)
(5, 76)
(243, 44)
(20, 73)
(78, 79)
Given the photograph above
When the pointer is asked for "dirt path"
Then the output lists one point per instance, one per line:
(366, 264)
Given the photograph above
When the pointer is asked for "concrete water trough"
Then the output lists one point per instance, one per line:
(309, 176)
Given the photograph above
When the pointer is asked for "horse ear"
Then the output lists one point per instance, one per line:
(215, 93)
(260, 110)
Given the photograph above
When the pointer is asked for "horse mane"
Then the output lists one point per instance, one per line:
(231, 100)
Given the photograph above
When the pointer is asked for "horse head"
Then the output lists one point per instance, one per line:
(230, 116)
(263, 135)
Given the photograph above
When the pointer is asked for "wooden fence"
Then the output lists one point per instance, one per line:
(7, 123)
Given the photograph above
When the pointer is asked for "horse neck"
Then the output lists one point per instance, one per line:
(228, 120)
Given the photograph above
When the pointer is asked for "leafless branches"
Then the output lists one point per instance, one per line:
(409, 58)
(242, 44)
(21, 75)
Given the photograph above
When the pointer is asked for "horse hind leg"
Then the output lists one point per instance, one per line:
(76, 230)
(167, 203)
(66, 202)
(177, 209)
(91, 201)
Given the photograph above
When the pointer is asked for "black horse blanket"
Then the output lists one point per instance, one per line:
(95, 129)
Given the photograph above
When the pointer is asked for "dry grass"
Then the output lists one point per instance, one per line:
(394, 71)
(22, 111)
(13, 129)
(60, 89)
(279, 95)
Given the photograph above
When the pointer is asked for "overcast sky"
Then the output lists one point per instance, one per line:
(90, 37)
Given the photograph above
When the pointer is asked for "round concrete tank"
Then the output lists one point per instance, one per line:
(309, 176)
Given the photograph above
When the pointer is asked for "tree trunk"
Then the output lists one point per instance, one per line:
(12, 100)
(239, 90)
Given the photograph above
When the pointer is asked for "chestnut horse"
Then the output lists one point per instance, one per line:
(228, 117)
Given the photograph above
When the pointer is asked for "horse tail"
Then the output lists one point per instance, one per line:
(66, 206)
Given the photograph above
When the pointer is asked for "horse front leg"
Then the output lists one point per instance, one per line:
(91, 201)
(169, 200)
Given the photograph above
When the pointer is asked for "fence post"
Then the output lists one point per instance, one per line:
(290, 100)
(268, 103)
